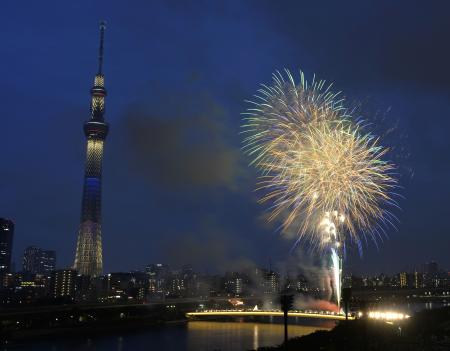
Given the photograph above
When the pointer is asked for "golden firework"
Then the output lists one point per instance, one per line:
(324, 175)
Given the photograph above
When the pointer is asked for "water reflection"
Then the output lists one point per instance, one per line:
(255, 336)
(224, 336)
(120, 343)
(192, 336)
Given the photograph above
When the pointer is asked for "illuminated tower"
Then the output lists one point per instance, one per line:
(88, 257)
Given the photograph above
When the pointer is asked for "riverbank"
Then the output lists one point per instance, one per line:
(30, 324)
(426, 330)
(103, 329)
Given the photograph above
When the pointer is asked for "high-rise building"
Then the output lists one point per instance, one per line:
(403, 278)
(63, 283)
(431, 268)
(31, 259)
(38, 261)
(431, 274)
(418, 280)
(158, 275)
(302, 283)
(6, 241)
(84, 288)
(48, 260)
(234, 283)
(271, 284)
(88, 257)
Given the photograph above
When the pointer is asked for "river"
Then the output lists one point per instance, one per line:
(191, 336)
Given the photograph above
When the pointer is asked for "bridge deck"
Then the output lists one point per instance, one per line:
(241, 313)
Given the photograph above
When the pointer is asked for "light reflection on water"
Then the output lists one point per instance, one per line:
(192, 336)
(255, 336)
(203, 335)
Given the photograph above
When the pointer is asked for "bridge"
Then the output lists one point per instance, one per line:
(268, 313)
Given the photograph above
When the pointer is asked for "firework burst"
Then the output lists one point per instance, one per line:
(325, 177)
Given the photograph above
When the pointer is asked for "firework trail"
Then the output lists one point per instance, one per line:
(325, 177)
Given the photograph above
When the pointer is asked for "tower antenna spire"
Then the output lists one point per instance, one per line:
(100, 50)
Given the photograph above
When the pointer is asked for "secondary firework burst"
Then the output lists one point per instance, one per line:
(325, 176)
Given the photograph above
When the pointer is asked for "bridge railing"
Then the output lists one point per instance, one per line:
(271, 312)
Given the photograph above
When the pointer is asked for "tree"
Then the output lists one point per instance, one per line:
(286, 305)
(346, 296)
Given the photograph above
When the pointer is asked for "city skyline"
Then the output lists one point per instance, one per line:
(169, 194)
(37, 260)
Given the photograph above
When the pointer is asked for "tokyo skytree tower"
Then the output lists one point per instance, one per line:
(88, 257)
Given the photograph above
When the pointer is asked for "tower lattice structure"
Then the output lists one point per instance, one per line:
(89, 256)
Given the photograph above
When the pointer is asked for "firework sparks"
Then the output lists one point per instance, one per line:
(319, 169)
(336, 267)
(325, 177)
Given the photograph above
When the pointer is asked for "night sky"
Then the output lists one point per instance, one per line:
(176, 187)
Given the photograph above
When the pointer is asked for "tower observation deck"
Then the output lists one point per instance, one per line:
(89, 256)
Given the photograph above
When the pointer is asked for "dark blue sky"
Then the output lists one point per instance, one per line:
(176, 186)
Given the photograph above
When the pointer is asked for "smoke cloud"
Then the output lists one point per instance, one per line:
(183, 143)
(304, 302)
